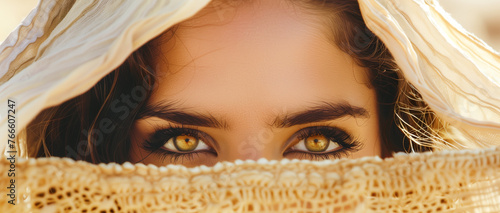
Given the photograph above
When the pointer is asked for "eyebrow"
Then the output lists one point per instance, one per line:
(169, 113)
(322, 112)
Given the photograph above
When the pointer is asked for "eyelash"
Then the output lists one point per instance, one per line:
(348, 145)
(159, 138)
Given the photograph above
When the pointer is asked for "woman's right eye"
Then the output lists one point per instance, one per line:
(177, 140)
(185, 143)
(174, 144)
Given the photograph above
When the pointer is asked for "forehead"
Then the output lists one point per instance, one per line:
(260, 57)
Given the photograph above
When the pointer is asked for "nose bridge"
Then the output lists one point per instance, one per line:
(259, 144)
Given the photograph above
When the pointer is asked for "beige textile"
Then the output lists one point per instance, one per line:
(456, 73)
(65, 46)
(458, 181)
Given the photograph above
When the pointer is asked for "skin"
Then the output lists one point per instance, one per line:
(251, 65)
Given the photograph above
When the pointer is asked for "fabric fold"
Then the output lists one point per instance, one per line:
(456, 73)
(92, 39)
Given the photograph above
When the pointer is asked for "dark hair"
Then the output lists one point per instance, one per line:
(95, 126)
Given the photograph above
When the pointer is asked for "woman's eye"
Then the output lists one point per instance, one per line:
(172, 145)
(180, 141)
(323, 142)
(185, 143)
(317, 143)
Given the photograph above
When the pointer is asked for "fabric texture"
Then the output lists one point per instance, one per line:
(459, 181)
(64, 47)
(456, 73)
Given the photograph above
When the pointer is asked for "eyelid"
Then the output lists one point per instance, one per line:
(172, 147)
(299, 135)
(328, 150)
(206, 138)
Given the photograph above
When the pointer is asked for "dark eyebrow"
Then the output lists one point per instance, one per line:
(169, 113)
(323, 112)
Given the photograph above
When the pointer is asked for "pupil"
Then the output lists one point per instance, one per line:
(187, 140)
(316, 140)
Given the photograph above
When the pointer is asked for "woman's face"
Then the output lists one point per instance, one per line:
(257, 80)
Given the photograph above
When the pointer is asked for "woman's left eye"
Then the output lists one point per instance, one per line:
(317, 143)
(323, 142)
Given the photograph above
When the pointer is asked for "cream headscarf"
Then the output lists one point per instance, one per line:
(64, 47)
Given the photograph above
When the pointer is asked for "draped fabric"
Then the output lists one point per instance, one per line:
(456, 73)
(64, 47)
(458, 181)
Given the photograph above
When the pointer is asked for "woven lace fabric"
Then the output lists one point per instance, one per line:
(448, 181)
(64, 47)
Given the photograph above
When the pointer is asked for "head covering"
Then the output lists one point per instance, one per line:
(64, 47)
(456, 73)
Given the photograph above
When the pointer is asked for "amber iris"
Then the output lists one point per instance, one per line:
(185, 142)
(316, 143)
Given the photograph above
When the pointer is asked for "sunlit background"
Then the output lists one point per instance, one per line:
(481, 17)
